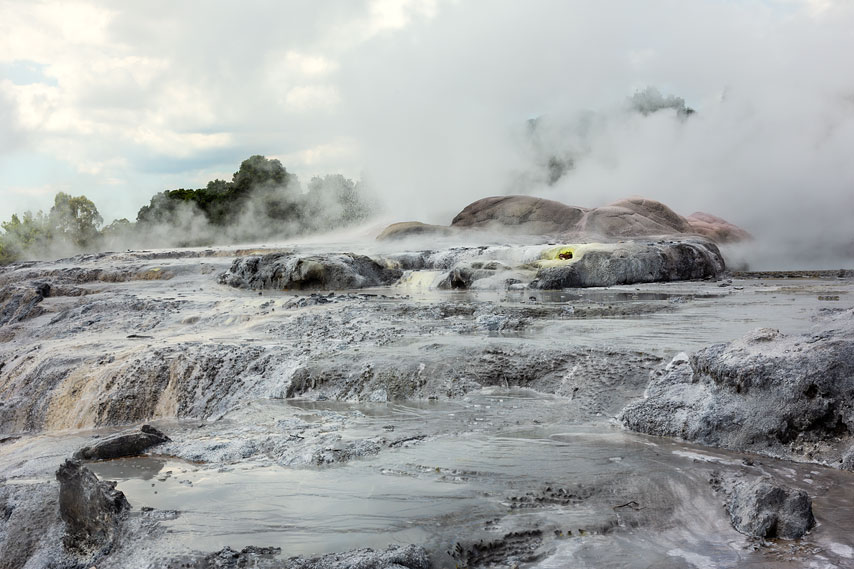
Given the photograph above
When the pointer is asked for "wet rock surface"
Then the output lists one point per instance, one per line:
(301, 272)
(475, 423)
(129, 444)
(511, 549)
(28, 523)
(770, 393)
(92, 510)
(635, 263)
(408, 557)
(760, 508)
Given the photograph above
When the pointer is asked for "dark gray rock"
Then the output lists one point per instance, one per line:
(92, 510)
(597, 380)
(129, 444)
(28, 522)
(761, 508)
(395, 557)
(789, 396)
(510, 550)
(21, 302)
(635, 262)
(301, 272)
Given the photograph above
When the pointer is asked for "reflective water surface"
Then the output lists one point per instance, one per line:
(498, 462)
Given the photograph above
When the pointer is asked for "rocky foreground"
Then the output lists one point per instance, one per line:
(489, 386)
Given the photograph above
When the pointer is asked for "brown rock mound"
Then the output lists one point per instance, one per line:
(406, 229)
(716, 229)
(533, 215)
(628, 218)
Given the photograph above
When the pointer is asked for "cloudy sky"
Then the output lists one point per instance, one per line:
(428, 99)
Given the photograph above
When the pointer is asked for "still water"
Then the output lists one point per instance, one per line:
(495, 463)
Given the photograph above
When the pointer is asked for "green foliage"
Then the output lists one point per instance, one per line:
(263, 191)
(75, 219)
(119, 232)
(262, 199)
(223, 202)
(21, 234)
(258, 172)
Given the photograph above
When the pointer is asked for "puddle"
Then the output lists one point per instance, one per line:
(636, 498)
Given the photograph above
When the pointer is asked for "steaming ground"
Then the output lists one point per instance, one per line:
(477, 425)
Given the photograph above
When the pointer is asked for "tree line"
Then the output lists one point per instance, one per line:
(263, 200)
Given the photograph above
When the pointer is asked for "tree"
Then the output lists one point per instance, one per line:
(258, 171)
(75, 218)
(21, 234)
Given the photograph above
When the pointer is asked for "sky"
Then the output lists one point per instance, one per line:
(428, 102)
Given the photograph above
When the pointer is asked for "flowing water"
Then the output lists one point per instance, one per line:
(518, 470)
(497, 462)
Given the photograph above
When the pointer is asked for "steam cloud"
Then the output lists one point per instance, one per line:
(767, 149)
(431, 102)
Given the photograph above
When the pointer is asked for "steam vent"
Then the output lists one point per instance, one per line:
(630, 241)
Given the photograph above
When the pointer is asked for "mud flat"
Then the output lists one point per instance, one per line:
(444, 413)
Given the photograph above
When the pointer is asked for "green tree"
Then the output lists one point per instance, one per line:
(75, 219)
(256, 172)
(22, 234)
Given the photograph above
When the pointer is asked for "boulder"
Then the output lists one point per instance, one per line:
(635, 217)
(717, 229)
(128, 444)
(406, 229)
(789, 396)
(520, 213)
(287, 271)
(761, 508)
(21, 302)
(92, 510)
(632, 262)
(528, 215)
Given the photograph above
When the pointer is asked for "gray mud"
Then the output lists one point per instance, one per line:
(478, 426)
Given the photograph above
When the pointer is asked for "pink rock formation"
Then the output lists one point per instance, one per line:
(627, 218)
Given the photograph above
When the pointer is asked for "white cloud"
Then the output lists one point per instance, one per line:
(305, 64)
(311, 97)
(178, 144)
(328, 157)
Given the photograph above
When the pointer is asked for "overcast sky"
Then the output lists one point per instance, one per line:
(428, 99)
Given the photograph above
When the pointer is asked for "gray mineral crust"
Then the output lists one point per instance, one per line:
(307, 272)
(636, 262)
(92, 510)
(395, 557)
(769, 393)
(127, 444)
(760, 508)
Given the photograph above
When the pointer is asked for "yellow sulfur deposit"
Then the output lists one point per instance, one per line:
(562, 253)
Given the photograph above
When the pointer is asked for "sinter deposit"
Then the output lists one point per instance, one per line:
(533, 403)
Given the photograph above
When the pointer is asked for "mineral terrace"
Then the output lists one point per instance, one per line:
(534, 385)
